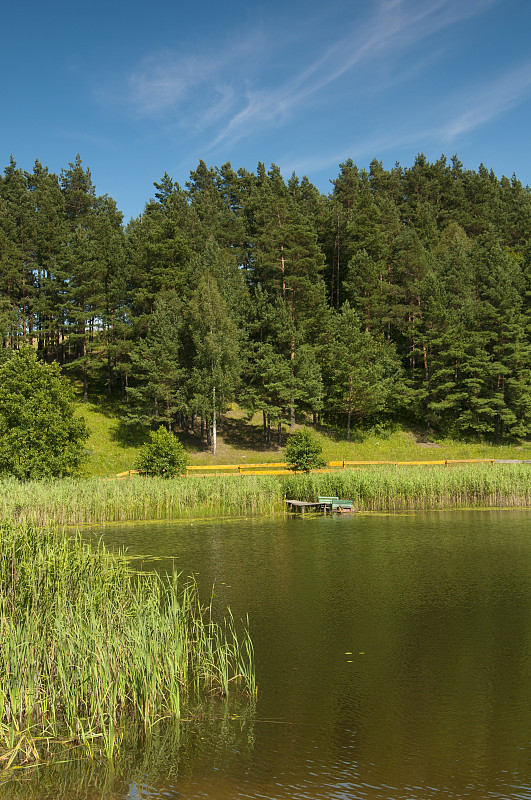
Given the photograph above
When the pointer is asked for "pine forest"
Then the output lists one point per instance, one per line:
(402, 295)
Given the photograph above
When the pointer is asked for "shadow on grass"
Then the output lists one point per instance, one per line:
(129, 435)
(356, 436)
(241, 434)
(423, 437)
(192, 442)
(236, 433)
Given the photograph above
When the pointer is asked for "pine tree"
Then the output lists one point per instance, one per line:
(17, 253)
(362, 373)
(216, 341)
(158, 367)
(50, 254)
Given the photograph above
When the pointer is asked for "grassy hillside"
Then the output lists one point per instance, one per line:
(111, 448)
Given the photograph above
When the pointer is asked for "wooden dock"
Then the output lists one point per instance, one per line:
(303, 505)
(324, 504)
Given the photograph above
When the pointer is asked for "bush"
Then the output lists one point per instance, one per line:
(163, 455)
(39, 435)
(303, 452)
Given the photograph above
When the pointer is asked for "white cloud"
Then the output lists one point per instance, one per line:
(485, 103)
(162, 82)
(249, 85)
(398, 26)
(450, 121)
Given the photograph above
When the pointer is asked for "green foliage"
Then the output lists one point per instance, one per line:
(303, 452)
(374, 488)
(363, 374)
(404, 294)
(157, 367)
(163, 455)
(39, 435)
(387, 488)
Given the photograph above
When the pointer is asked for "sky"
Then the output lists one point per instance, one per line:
(139, 89)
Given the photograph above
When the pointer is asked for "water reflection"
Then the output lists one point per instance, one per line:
(220, 733)
(393, 663)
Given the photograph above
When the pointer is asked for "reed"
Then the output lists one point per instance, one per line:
(210, 732)
(378, 488)
(94, 501)
(86, 644)
(390, 488)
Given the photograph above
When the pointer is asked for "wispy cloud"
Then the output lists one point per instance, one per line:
(486, 103)
(397, 26)
(242, 88)
(196, 90)
(163, 84)
(462, 112)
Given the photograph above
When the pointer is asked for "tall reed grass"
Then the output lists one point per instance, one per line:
(390, 488)
(85, 643)
(220, 728)
(384, 488)
(93, 501)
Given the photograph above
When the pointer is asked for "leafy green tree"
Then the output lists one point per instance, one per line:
(303, 452)
(94, 283)
(48, 260)
(16, 252)
(39, 435)
(268, 376)
(287, 262)
(163, 455)
(158, 249)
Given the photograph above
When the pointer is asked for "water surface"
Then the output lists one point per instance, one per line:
(393, 660)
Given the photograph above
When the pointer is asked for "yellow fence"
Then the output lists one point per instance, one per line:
(281, 467)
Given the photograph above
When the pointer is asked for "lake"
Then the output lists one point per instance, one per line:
(393, 658)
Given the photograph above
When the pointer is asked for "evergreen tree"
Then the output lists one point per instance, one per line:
(16, 241)
(216, 341)
(362, 373)
(158, 370)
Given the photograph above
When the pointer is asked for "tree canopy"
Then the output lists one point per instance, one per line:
(403, 294)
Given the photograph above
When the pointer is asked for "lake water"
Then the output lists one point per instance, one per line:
(393, 659)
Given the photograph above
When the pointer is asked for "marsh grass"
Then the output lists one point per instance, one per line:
(382, 488)
(86, 644)
(92, 501)
(389, 488)
(215, 729)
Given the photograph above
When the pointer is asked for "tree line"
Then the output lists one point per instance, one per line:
(402, 294)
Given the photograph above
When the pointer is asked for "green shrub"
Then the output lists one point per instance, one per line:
(163, 455)
(303, 452)
(39, 435)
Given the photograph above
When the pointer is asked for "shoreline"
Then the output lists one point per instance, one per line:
(86, 501)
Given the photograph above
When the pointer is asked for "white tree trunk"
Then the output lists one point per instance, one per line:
(214, 432)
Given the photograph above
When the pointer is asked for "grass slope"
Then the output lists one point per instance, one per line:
(112, 449)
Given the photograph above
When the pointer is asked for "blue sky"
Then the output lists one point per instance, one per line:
(139, 89)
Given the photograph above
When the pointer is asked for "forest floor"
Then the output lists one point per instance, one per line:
(112, 447)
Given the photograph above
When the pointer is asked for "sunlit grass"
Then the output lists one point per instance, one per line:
(92, 500)
(240, 441)
(388, 488)
(106, 453)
